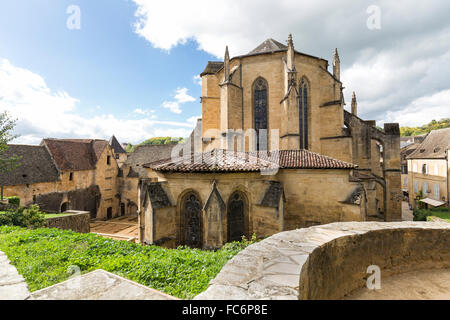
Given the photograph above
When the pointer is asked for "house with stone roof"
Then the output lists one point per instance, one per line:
(428, 170)
(66, 174)
(276, 151)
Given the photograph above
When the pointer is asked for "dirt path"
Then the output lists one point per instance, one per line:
(121, 228)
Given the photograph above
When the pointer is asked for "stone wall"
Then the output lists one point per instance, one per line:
(79, 221)
(330, 261)
(294, 206)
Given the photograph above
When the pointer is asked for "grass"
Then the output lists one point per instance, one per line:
(56, 215)
(43, 257)
(442, 215)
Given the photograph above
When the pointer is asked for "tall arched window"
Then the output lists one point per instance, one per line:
(192, 227)
(303, 113)
(260, 88)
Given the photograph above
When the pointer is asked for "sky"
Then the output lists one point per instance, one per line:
(91, 69)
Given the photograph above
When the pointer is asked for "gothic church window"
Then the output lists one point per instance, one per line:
(192, 216)
(303, 100)
(260, 88)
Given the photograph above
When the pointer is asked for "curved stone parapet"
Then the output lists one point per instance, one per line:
(330, 261)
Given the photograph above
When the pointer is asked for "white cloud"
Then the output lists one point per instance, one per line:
(423, 110)
(408, 58)
(180, 97)
(197, 80)
(44, 113)
(193, 120)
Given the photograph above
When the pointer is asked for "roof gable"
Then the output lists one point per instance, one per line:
(434, 146)
(116, 146)
(269, 45)
(35, 166)
(75, 154)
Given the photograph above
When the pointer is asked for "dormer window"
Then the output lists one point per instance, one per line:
(108, 160)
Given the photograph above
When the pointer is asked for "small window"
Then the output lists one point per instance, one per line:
(425, 169)
(108, 160)
(416, 187)
(425, 187)
(71, 176)
(117, 156)
(415, 167)
(436, 191)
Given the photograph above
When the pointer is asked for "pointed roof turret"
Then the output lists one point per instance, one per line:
(354, 104)
(226, 65)
(336, 65)
(116, 146)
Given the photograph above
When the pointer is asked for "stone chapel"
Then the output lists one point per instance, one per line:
(275, 150)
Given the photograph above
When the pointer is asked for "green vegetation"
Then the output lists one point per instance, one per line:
(30, 217)
(13, 200)
(155, 141)
(43, 258)
(426, 214)
(6, 126)
(56, 215)
(433, 125)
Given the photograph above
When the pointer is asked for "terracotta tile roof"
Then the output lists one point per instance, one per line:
(434, 146)
(35, 165)
(231, 161)
(75, 154)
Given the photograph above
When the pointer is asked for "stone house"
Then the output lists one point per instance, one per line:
(408, 146)
(428, 170)
(277, 151)
(132, 170)
(66, 174)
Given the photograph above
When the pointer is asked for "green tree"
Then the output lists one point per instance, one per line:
(6, 163)
(6, 135)
(433, 125)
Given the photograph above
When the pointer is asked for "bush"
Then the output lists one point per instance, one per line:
(422, 214)
(14, 200)
(23, 217)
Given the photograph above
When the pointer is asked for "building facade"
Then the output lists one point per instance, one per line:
(331, 164)
(66, 174)
(428, 170)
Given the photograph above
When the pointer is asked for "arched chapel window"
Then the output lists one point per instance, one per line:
(260, 88)
(303, 100)
(192, 216)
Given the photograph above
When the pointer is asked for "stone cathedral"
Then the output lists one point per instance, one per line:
(275, 150)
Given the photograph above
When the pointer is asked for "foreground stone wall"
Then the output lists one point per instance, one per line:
(330, 261)
(78, 222)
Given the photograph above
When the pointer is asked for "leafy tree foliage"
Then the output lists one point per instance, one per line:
(6, 136)
(155, 141)
(433, 125)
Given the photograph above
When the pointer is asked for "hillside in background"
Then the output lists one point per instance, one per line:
(433, 125)
(156, 140)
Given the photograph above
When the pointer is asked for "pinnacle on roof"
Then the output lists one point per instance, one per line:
(114, 143)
